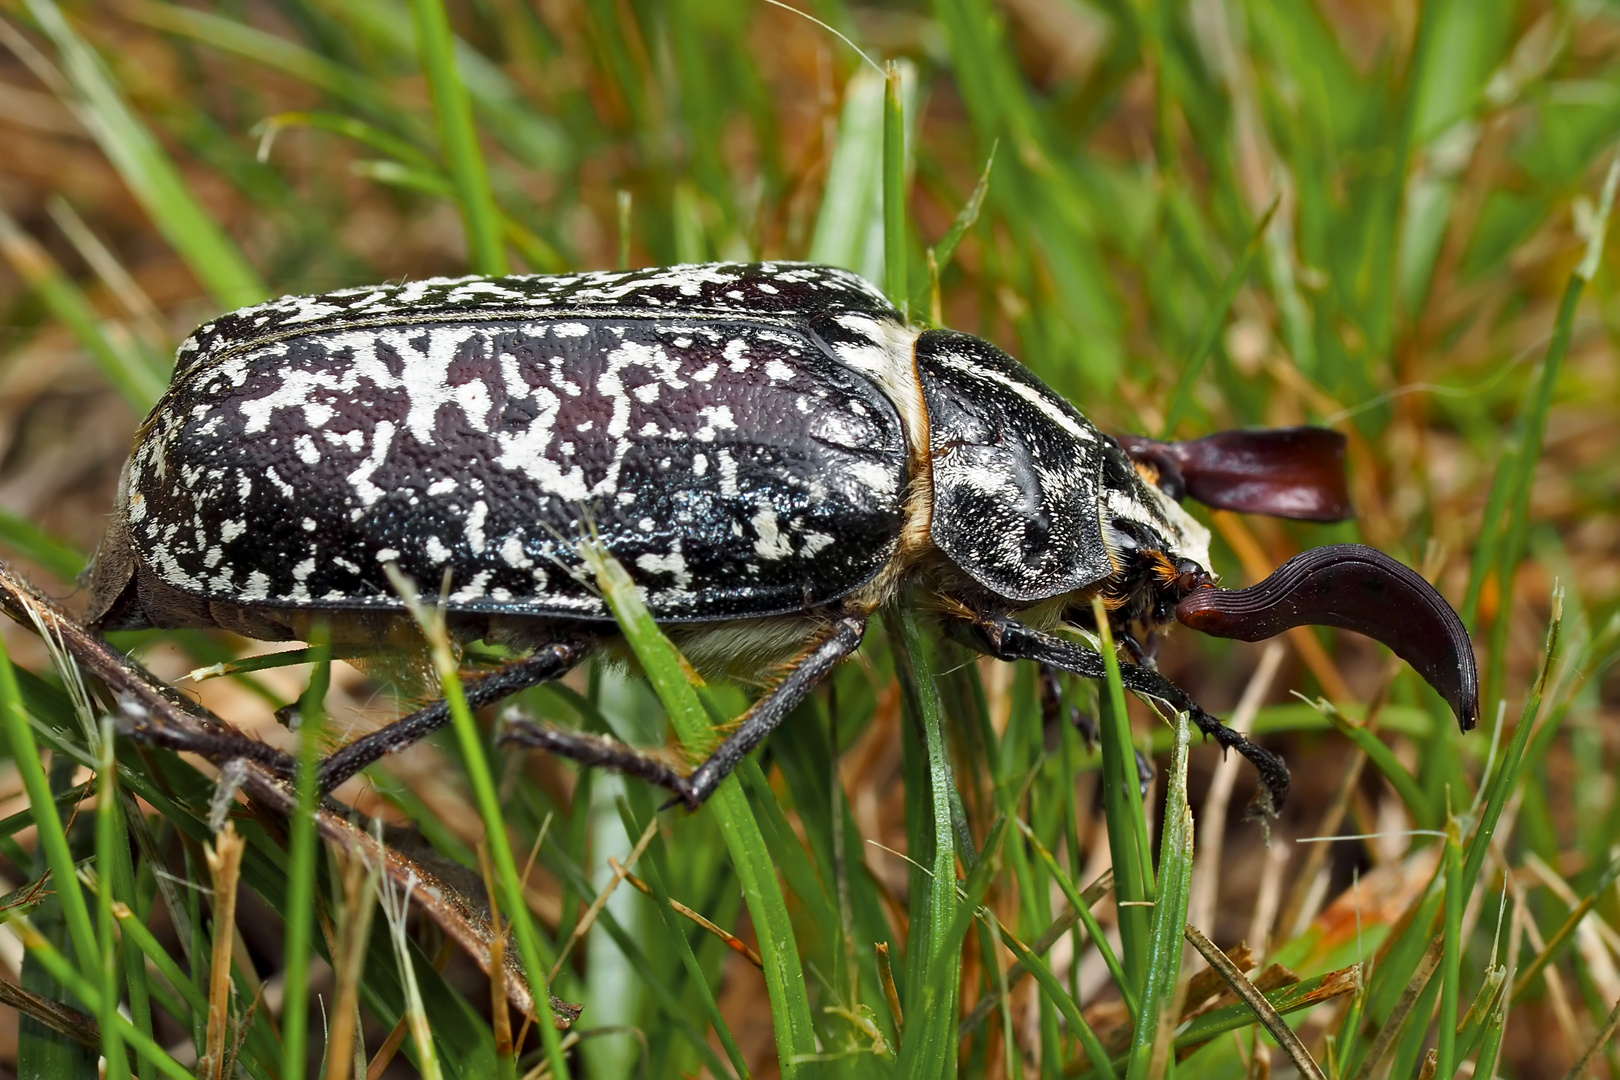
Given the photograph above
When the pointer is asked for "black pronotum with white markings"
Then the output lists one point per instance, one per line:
(768, 448)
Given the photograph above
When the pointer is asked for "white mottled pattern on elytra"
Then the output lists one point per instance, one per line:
(771, 543)
(382, 437)
(415, 363)
(886, 357)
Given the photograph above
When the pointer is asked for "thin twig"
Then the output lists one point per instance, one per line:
(1257, 1002)
(733, 942)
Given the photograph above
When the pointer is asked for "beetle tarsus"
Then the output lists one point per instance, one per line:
(1007, 639)
(593, 750)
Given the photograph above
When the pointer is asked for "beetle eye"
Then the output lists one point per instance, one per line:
(1190, 576)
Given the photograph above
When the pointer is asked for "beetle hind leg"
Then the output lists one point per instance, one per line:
(1008, 639)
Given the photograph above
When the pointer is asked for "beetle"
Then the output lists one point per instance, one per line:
(769, 448)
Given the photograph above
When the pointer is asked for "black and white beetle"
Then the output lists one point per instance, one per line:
(768, 448)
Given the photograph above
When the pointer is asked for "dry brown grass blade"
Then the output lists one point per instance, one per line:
(62, 1019)
(1257, 1002)
(733, 942)
(891, 993)
(1205, 990)
(160, 715)
(1385, 1040)
(1610, 1026)
(225, 867)
(500, 1017)
(353, 932)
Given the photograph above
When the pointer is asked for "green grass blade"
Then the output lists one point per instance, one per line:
(1083, 912)
(272, 51)
(25, 753)
(1404, 783)
(531, 947)
(145, 166)
(1059, 997)
(851, 204)
(1125, 817)
(928, 1042)
(1520, 467)
(86, 990)
(458, 136)
(134, 930)
(109, 834)
(966, 217)
(1156, 1018)
(1507, 773)
(894, 189)
(1451, 952)
(302, 847)
(118, 358)
(784, 977)
(350, 127)
(1214, 321)
(652, 872)
(30, 541)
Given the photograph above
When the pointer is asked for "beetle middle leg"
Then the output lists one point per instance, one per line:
(1008, 639)
(546, 663)
(837, 644)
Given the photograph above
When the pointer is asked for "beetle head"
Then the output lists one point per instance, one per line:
(1160, 554)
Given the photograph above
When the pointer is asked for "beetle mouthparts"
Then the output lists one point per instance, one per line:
(1353, 587)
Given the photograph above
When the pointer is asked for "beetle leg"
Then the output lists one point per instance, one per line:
(1007, 639)
(593, 750)
(840, 643)
(692, 791)
(547, 663)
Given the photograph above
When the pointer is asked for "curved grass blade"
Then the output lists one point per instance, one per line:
(784, 977)
(147, 168)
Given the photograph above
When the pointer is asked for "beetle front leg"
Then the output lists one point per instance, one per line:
(1008, 639)
(839, 642)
